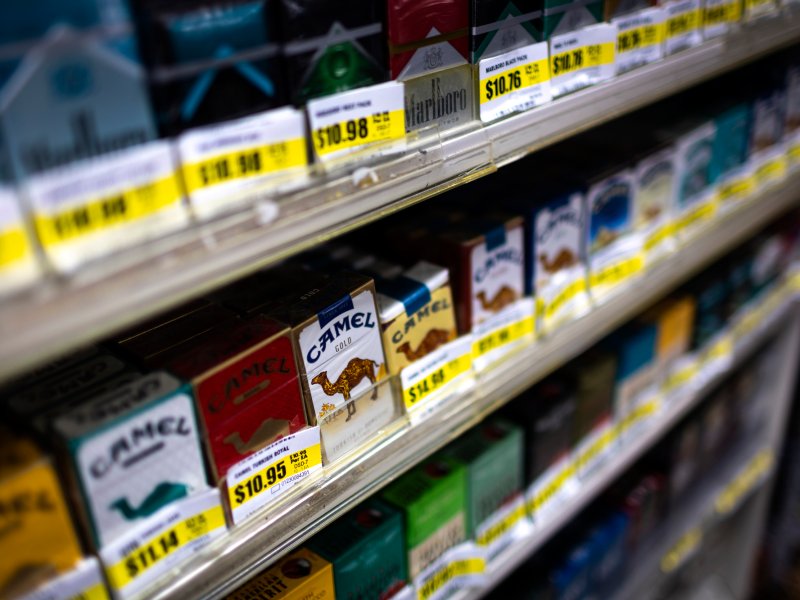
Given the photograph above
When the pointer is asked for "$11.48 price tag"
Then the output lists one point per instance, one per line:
(582, 58)
(164, 539)
(346, 122)
(263, 476)
(514, 81)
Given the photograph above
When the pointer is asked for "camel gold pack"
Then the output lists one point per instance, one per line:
(485, 257)
(38, 540)
(130, 453)
(302, 575)
(337, 337)
(416, 314)
(245, 384)
(432, 497)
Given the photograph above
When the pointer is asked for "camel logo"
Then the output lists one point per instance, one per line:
(565, 217)
(268, 431)
(331, 334)
(432, 340)
(353, 374)
(163, 494)
(504, 296)
(248, 382)
(13, 508)
(423, 313)
(563, 260)
(511, 255)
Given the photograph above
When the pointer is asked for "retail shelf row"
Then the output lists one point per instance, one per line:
(61, 313)
(302, 512)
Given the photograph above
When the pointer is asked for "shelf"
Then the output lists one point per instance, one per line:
(301, 513)
(61, 314)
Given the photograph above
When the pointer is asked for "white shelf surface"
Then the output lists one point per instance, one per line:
(256, 543)
(61, 314)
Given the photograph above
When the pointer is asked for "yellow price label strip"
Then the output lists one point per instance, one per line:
(524, 76)
(245, 164)
(95, 592)
(637, 38)
(380, 127)
(499, 529)
(720, 14)
(584, 57)
(681, 377)
(793, 153)
(744, 482)
(748, 323)
(599, 445)
(658, 236)
(639, 413)
(273, 474)
(143, 558)
(617, 272)
(436, 380)
(555, 485)
(682, 23)
(737, 189)
(772, 170)
(457, 568)
(722, 348)
(759, 5)
(699, 214)
(124, 207)
(503, 336)
(682, 549)
(13, 246)
(551, 309)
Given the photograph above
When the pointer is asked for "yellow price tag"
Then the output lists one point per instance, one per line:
(744, 482)
(524, 76)
(749, 322)
(658, 236)
(245, 164)
(772, 170)
(595, 448)
(96, 592)
(142, 558)
(793, 153)
(273, 474)
(551, 309)
(759, 6)
(352, 133)
(546, 493)
(124, 207)
(682, 23)
(681, 377)
(639, 413)
(617, 272)
(688, 543)
(699, 214)
(457, 568)
(503, 336)
(436, 380)
(722, 348)
(584, 57)
(737, 189)
(720, 14)
(640, 37)
(499, 529)
(13, 246)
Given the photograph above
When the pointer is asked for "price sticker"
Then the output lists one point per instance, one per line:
(718, 356)
(643, 410)
(755, 9)
(162, 541)
(744, 482)
(719, 15)
(604, 278)
(683, 26)
(683, 372)
(434, 374)
(771, 166)
(563, 298)
(264, 476)
(656, 240)
(556, 482)
(697, 216)
(500, 529)
(18, 265)
(83, 582)
(98, 206)
(737, 186)
(793, 150)
(594, 447)
(640, 40)
(347, 122)
(750, 319)
(582, 58)
(514, 81)
(684, 548)
(459, 567)
(502, 333)
(222, 163)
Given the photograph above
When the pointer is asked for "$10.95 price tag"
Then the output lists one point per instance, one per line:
(163, 540)
(222, 159)
(429, 376)
(640, 38)
(582, 58)
(514, 81)
(346, 122)
(263, 476)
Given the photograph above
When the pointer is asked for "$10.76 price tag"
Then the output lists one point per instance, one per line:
(164, 539)
(346, 122)
(514, 81)
(263, 476)
(582, 58)
(640, 40)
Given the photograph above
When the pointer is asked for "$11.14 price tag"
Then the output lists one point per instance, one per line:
(582, 58)
(146, 552)
(514, 81)
(344, 123)
(263, 476)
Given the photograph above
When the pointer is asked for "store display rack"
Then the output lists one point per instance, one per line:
(302, 512)
(60, 314)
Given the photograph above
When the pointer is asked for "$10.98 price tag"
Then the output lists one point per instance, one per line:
(514, 81)
(263, 476)
(582, 58)
(146, 552)
(344, 123)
